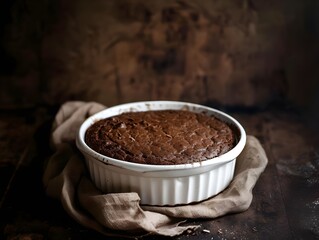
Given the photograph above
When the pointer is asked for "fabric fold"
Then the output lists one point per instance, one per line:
(65, 178)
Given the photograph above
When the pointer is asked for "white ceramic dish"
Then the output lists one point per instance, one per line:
(162, 184)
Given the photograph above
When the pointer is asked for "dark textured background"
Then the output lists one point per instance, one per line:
(229, 53)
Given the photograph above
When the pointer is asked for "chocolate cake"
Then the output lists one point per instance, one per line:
(163, 137)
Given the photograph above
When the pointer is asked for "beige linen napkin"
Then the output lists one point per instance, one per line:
(120, 214)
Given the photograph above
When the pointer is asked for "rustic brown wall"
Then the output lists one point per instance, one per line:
(244, 53)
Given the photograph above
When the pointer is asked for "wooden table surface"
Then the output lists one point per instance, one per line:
(285, 203)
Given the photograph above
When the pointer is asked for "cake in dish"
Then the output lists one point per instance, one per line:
(189, 179)
(163, 137)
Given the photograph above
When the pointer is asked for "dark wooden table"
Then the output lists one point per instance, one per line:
(285, 203)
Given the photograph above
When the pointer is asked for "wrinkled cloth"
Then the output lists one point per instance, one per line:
(120, 214)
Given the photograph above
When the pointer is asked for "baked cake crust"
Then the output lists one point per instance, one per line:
(164, 137)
